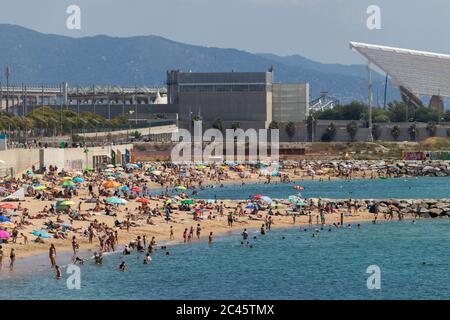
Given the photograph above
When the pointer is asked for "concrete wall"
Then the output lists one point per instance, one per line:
(69, 159)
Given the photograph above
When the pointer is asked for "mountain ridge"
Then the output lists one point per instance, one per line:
(36, 58)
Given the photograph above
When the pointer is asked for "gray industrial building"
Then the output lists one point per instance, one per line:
(248, 98)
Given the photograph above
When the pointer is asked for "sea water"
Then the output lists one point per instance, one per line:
(413, 259)
(400, 188)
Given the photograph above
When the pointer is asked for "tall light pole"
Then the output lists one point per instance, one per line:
(370, 138)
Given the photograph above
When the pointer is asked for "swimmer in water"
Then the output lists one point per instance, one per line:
(98, 257)
(148, 259)
(122, 266)
(245, 234)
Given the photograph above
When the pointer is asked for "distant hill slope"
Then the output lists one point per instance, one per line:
(44, 58)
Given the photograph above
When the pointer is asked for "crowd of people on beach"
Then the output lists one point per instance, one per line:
(96, 208)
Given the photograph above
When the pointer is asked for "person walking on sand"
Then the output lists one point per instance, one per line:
(52, 255)
(198, 231)
(171, 237)
(185, 235)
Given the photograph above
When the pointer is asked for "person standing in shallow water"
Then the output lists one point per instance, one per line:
(230, 220)
(12, 259)
(52, 255)
(263, 230)
(210, 238)
(1, 258)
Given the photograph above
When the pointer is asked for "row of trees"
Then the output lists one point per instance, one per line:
(47, 121)
(352, 129)
(289, 127)
(395, 112)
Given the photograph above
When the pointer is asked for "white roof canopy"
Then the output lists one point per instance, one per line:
(421, 72)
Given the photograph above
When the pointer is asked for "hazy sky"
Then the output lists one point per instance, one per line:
(317, 29)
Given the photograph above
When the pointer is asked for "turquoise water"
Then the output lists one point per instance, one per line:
(331, 266)
(401, 188)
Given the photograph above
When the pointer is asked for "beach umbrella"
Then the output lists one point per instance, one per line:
(257, 197)
(4, 234)
(78, 180)
(7, 224)
(210, 201)
(7, 206)
(110, 184)
(68, 183)
(124, 188)
(67, 178)
(67, 203)
(4, 219)
(276, 205)
(156, 172)
(39, 188)
(110, 166)
(132, 165)
(296, 200)
(201, 167)
(142, 200)
(115, 200)
(136, 189)
(252, 206)
(188, 201)
(42, 234)
(89, 169)
(266, 199)
(180, 188)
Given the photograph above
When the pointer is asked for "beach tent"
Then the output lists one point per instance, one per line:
(19, 195)
(188, 201)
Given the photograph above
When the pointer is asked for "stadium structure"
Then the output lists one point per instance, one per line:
(416, 73)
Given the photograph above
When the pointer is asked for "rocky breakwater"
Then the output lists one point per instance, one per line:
(427, 208)
(429, 168)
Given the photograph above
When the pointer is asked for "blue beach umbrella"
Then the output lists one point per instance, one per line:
(252, 206)
(115, 200)
(125, 188)
(78, 179)
(42, 234)
(4, 219)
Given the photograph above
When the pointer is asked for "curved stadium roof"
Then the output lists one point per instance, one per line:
(421, 72)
